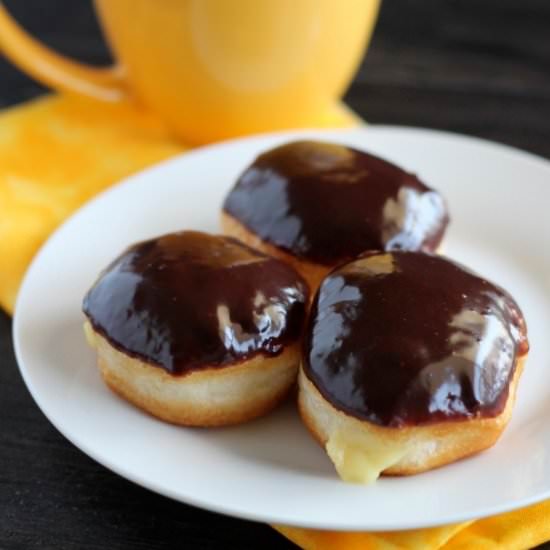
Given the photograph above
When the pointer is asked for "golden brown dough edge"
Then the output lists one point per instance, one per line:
(423, 447)
(313, 273)
(212, 396)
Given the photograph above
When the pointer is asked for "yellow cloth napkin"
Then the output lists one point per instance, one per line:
(56, 153)
(518, 530)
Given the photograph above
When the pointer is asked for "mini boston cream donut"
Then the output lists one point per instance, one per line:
(197, 329)
(316, 205)
(410, 362)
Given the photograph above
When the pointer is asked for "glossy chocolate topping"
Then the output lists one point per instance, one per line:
(328, 203)
(189, 299)
(407, 338)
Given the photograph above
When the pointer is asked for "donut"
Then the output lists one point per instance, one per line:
(196, 329)
(317, 205)
(410, 361)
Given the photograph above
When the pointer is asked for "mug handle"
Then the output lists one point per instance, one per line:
(56, 71)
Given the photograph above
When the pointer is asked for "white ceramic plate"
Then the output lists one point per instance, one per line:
(271, 470)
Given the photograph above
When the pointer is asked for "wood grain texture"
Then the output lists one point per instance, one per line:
(478, 67)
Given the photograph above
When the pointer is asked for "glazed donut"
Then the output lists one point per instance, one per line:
(317, 205)
(410, 362)
(197, 329)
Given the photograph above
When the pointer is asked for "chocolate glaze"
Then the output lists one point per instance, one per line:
(328, 203)
(187, 300)
(408, 338)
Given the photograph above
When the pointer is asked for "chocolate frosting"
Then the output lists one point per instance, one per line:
(407, 338)
(188, 300)
(327, 203)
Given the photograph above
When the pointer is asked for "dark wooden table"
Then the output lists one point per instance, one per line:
(480, 67)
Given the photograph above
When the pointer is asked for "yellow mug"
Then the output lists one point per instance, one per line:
(214, 69)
